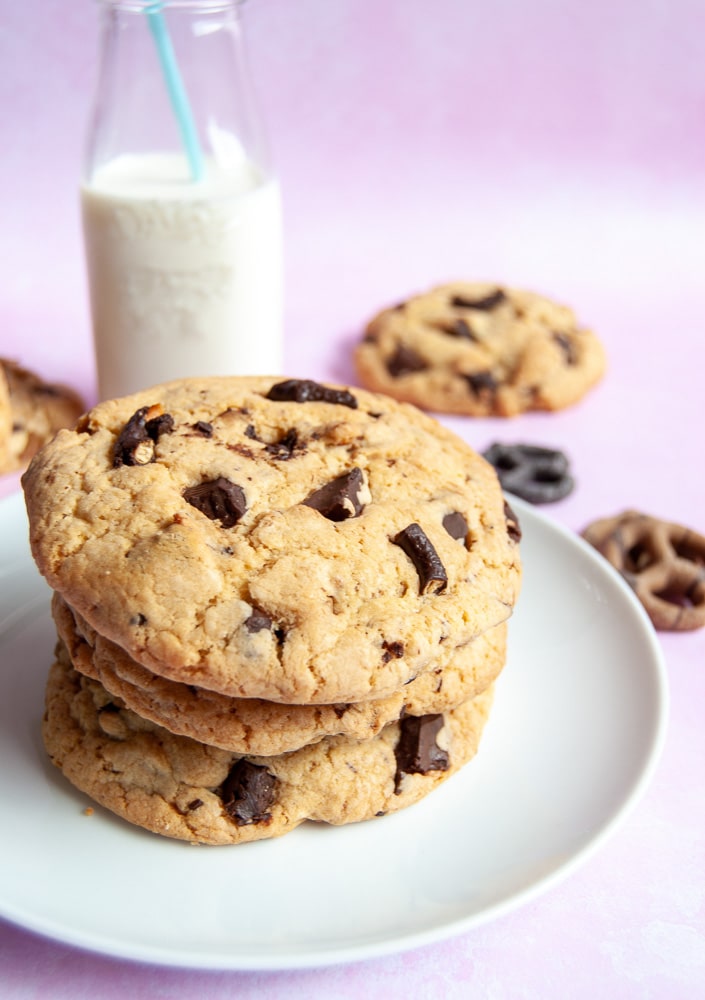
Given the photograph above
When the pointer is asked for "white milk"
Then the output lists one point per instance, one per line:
(185, 278)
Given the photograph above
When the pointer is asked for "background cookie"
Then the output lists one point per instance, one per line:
(5, 423)
(287, 541)
(480, 349)
(37, 410)
(179, 788)
(261, 727)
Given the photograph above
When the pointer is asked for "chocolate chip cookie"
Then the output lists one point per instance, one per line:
(31, 412)
(282, 540)
(187, 790)
(261, 727)
(480, 349)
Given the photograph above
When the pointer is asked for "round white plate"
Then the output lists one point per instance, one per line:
(574, 735)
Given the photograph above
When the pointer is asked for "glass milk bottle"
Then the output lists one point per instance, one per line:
(181, 209)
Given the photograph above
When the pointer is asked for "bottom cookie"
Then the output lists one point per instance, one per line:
(177, 787)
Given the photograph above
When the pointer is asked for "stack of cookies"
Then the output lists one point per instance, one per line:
(275, 601)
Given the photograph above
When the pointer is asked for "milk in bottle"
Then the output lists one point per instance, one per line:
(184, 257)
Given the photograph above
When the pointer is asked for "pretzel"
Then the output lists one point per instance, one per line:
(534, 473)
(664, 563)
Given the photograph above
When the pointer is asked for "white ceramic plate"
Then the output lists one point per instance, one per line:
(575, 732)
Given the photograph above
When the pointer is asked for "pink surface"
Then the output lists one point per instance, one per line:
(555, 145)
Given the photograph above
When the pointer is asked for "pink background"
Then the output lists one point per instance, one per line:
(554, 145)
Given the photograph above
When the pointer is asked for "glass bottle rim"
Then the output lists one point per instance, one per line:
(142, 6)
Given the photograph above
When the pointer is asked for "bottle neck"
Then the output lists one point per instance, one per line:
(174, 79)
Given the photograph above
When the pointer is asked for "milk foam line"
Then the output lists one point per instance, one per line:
(176, 89)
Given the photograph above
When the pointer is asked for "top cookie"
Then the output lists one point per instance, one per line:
(480, 349)
(276, 540)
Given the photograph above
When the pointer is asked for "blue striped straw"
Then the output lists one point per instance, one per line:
(175, 86)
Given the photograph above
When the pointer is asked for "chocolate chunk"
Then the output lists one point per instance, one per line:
(456, 525)
(513, 526)
(258, 621)
(392, 650)
(136, 441)
(341, 498)
(162, 424)
(415, 543)
(296, 390)
(486, 303)
(284, 448)
(204, 428)
(194, 804)
(219, 499)
(404, 361)
(416, 751)
(534, 473)
(481, 382)
(247, 793)
(460, 328)
(568, 347)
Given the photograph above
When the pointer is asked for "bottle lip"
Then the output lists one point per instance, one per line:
(142, 6)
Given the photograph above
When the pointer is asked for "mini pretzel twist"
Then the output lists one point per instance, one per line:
(532, 472)
(664, 563)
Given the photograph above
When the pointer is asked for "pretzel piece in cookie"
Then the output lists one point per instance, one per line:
(664, 563)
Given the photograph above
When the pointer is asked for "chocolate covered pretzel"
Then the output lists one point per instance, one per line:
(664, 564)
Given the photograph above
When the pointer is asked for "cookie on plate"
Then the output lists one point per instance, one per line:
(282, 540)
(264, 727)
(31, 412)
(480, 349)
(187, 790)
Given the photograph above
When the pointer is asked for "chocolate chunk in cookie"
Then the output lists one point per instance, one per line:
(305, 391)
(136, 441)
(417, 751)
(219, 499)
(248, 793)
(418, 547)
(343, 497)
(456, 525)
